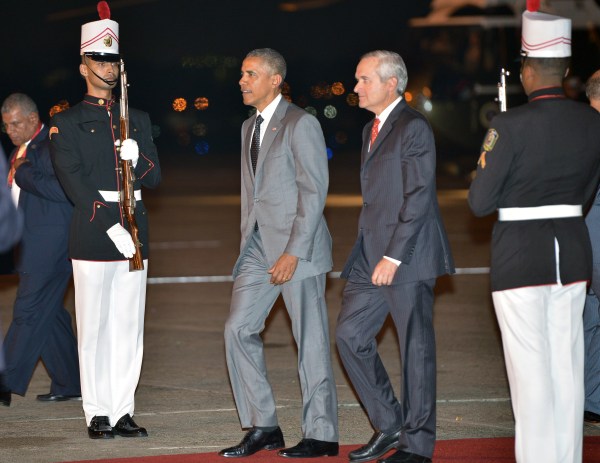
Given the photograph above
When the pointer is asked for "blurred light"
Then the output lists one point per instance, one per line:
(426, 91)
(201, 147)
(330, 112)
(408, 96)
(179, 104)
(428, 106)
(337, 88)
(62, 105)
(201, 103)
(329, 153)
(352, 99)
(316, 92)
(199, 129)
(311, 110)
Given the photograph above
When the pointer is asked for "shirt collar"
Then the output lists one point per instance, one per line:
(102, 102)
(268, 112)
(386, 112)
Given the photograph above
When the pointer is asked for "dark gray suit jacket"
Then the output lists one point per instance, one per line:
(400, 216)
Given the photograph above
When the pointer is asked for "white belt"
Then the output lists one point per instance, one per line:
(113, 196)
(557, 211)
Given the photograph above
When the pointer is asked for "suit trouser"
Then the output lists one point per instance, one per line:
(41, 328)
(364, 310)
(591, 318)
(110, 304)
(591, 335)
(542, 336)
(253, 297)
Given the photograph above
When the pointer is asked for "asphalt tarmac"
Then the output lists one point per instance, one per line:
(184, 398)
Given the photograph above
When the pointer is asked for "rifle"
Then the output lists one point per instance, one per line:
(127, 195)
(502, 89)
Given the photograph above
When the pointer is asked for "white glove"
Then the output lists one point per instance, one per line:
(122, 240)
(130, 151)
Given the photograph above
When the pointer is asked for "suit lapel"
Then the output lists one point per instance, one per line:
(384, 131)
(246, 147)
(271, 132)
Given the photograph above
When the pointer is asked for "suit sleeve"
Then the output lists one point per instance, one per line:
(418, 178)
(312, 180)
(38, 177)
(11, 221)
(493, 169)
(147, 169)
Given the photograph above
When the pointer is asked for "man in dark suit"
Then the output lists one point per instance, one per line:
(285, 249)
(539, 166)
(400, 251)
(41, 326)
(591, 310)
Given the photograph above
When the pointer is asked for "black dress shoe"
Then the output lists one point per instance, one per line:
(379, 445)
(405, 457)
(589, 418)
(126, 427)
(5, 398)
(311, 448)
(255, 440)
(57, 397)
(100, 428)
(5, 395)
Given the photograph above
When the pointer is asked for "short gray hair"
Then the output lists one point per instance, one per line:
(272, 58)
(390, 65)
(592, 87)
(19, 101)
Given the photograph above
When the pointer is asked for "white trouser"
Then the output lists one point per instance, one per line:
(109, 304)
(542, 335)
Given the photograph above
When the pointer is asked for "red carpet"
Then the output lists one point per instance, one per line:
(499, 450)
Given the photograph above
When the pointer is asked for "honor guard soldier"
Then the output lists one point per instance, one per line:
(539, 167)
(109, 299)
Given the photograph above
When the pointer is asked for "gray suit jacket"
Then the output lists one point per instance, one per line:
(287, 195)
(400, 216)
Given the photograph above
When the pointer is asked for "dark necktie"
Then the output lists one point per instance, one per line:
(255, 146)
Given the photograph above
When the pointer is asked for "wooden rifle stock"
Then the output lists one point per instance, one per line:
(127, 193)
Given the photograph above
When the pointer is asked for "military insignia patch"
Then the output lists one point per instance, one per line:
(490, 139)
(52, 131)
(481, 160)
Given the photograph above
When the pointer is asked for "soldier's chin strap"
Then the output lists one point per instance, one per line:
(106, 81)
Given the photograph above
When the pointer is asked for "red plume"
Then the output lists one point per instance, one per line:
(533, 5)
(103, 10)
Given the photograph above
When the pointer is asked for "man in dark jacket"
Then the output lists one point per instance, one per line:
(41, 326)
(538, 166)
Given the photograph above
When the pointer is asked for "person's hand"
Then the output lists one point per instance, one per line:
(284, 269)
(384, 272)
(130, 151)
(122, 240)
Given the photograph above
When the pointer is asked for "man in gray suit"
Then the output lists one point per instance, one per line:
(400, 251)
(285, 249)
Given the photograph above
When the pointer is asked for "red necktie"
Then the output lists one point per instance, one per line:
(374, 131)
